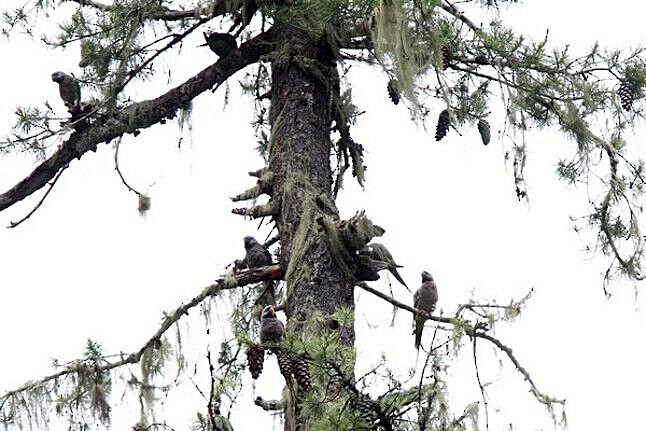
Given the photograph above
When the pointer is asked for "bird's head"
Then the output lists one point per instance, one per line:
(426, 276)
(268, 312)
(249, 242)
(216, 407)
(58, 77)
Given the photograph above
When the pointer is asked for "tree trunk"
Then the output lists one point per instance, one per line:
(302, 109)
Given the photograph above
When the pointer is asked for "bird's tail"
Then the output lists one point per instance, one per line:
(399, 277)
(419, 327)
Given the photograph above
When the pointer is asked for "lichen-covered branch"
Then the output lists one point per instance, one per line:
(477, 331)
(263, 186)
(164, 13)
(269, 405)
(243, 278)
(257, 211)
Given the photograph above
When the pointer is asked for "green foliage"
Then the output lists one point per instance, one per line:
(315, 16)
(23, 16)
(88, 390)
(399, 45)
(635, 74)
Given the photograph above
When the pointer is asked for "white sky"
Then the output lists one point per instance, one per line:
(87, 265)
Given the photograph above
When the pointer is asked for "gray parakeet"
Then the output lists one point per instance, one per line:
(257, 255)
(379, 252)
(220, 43)
(69, 89)
(220, 422)
(271, 329)
(425, 299)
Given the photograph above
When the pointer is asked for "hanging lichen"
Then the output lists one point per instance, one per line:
(398, 50)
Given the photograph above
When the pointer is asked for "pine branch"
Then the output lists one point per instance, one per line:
(163, 13)
(137, 116)
(244, 278)
(452, 10)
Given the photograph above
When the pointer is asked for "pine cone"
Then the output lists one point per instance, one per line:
(485, 131)
(443, 123)
(285, 364)
(393, 91)
(626, 95)
(446, 57)
(365, 408)
(302, 375)
(482, 60)
(255, 359)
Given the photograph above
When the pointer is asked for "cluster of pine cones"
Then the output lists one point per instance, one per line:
(443, 120)
(287, 365)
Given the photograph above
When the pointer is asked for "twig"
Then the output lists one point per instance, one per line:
(13, 224)
(212, 397)
(545, 399)
(482, 389)
(116, 167)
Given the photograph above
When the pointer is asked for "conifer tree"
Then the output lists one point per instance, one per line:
(296, 54)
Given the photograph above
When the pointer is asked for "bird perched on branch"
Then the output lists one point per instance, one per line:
(220, 423)
(257, 255)
(220, 43)
(69, 89)
(425, 299)
(271, 328)
(379, 252)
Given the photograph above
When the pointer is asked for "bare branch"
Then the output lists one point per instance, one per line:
(480, 385)
(451, 9)
(118, 169)
(403, 306)
(40, 202)
(545, 399)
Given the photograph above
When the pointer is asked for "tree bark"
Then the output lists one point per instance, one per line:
(301, 114)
